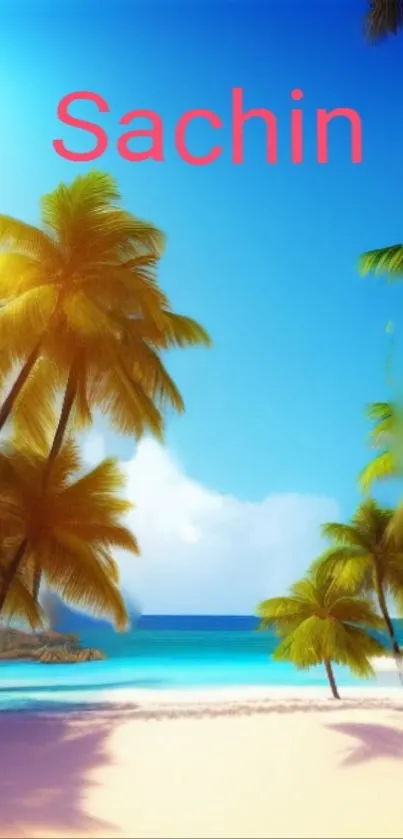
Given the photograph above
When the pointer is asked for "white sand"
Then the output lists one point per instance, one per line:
(254, 763)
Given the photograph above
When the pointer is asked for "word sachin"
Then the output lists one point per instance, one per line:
(154, 132)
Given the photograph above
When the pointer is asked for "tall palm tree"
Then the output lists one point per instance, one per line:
(384, 437)
(81, 311)
(66, 526)
(82, 315)
(319, 624)
(385, 17)
(365, 557)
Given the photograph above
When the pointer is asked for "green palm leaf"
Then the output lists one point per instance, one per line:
(383, 261)
(381, 468)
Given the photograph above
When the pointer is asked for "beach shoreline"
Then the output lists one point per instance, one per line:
(241, 693)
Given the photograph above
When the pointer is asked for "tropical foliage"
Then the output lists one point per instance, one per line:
(68, 527)
(363, 563)
(84, 328)
(319, 623)
(387, 417)
(82, 314)
(383, 438)
(365, 557)
(385, 17)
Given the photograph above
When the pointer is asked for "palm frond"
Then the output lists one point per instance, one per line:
(371, 520)
(346, 568)
(380, 468)
(25, 239)
(383, 261)
(181, 331)
(356, 610)
(25, 320)
(281, 612)
(78, 574)
(396, 526)
(71, 524)
(126, 402)
(21, 605)
(344, 534)
(34, 412)
(385, 17)
(380, 411)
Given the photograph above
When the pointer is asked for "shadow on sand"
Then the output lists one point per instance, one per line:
(45, 772)
(371, 742)
(48, 755)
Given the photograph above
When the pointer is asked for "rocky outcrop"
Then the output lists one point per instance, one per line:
(64, 655)
(47, 647)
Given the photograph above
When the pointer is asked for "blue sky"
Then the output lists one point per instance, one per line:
(265, 256)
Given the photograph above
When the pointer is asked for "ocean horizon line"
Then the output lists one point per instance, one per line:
(69, 621)
(66, 621)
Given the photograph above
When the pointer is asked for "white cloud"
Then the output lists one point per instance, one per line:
(93, 448)
(207, 553)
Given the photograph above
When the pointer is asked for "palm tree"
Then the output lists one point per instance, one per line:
(81, 311)
(320, 624)
(66, 526)
(366, 557)
(384, 437)
(385, 17)
(82, 314)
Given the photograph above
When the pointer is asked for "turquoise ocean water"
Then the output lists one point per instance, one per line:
(161, 660)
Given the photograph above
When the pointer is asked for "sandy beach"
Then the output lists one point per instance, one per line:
(224, 765)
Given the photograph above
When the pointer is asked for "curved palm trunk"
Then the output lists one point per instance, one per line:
(36, 583)
(11, 571)
(68, 402)
(332, 680)
(19, 383)
(379, 589)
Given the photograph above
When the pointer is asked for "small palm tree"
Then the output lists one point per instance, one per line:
(384, 437)
(319, 624)
(366, 557)
(385, 17)
(66, 526)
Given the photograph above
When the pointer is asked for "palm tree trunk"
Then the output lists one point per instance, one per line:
(11, 571)
(68, 402)
(332, 680)
(19, 383)
(36, 583)
(388, 622)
